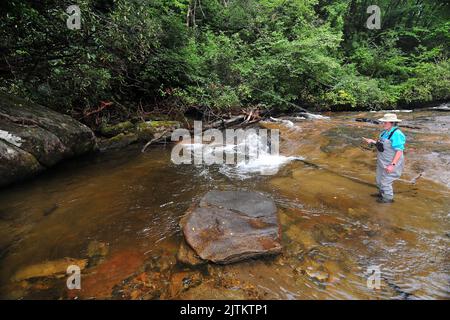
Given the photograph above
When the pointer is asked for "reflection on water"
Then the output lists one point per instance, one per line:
(332, 229)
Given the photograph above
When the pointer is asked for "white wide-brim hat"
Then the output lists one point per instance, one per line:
(390, 117)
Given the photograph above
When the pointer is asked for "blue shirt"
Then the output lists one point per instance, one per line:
(398, 139)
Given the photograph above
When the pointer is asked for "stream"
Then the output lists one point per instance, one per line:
(120, 211)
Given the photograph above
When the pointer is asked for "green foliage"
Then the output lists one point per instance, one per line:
(429, 80)
(128, 50)
(220, 55)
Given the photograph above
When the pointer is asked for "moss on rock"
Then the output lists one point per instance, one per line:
(163, 124)
(145, 131)
(109, 130)
(119, 141)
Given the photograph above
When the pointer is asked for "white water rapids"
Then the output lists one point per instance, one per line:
(252, 156)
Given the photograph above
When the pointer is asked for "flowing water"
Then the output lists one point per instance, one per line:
(332, 229)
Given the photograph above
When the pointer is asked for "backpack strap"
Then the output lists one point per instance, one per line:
(390, 135)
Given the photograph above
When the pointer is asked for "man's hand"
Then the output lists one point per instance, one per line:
(389, 168)
(369, 141)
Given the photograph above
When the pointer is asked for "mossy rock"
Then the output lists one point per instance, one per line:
(158, 117)
(119, 141)
(162, 124)
(108, 130)
(145, 131)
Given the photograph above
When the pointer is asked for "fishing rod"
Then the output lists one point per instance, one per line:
(354, 179)
(316, 166)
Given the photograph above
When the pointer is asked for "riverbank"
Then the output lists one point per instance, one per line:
(34, 138)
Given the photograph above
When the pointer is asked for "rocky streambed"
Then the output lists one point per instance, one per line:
(118, 214)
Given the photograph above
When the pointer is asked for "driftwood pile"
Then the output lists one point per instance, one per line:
(242, 120)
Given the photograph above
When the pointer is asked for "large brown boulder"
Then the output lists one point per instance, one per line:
(33, 138)
(229, 226)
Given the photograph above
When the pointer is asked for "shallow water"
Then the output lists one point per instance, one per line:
(332, 230)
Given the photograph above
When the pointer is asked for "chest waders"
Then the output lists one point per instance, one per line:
(384, 179)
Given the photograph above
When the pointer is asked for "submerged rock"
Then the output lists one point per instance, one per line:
(318, 275)
(312, 116)
(101, 279)
(145, 286)
(313, 268)
(161, 261)
(48, 269)
(33, 137)
(230, 226)
(51, 209)
(182, 281)
(96, 252)
(373, 121)
(187, 255)
(442, 107)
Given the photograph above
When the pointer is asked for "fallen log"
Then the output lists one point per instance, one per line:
(224, 123)
(239, 120)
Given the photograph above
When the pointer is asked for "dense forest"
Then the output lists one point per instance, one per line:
(220, 55)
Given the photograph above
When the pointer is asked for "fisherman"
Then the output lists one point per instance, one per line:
(390, 158)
